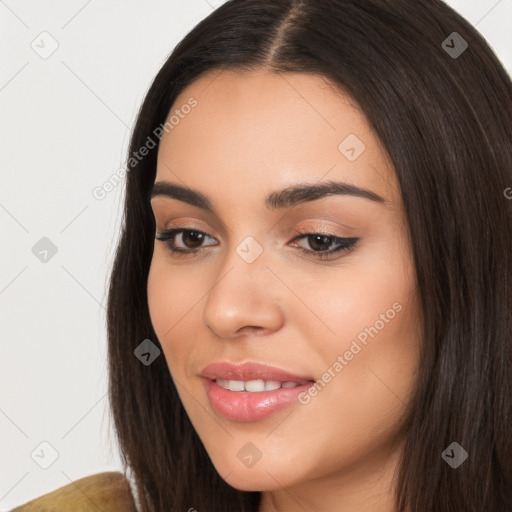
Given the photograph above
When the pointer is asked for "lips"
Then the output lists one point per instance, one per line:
(249, 391)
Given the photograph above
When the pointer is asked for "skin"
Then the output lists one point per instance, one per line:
(251, 134)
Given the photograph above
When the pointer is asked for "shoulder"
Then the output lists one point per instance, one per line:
(108, 492)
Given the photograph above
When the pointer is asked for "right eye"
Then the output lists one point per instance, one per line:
(189, 239)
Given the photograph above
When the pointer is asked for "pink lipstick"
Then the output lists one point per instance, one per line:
(250, 391)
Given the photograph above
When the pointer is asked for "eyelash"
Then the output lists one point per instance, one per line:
(346, 245)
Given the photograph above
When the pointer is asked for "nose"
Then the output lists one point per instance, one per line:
(245, 298)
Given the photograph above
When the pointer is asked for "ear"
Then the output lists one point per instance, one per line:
(108, 492)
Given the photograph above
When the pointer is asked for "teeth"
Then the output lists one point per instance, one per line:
(270, 385)
(236, 385)
(289, 384)
(255, 386)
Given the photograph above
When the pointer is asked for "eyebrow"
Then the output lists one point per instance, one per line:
(287, 197)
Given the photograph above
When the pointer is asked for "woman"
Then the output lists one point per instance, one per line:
(310, 306)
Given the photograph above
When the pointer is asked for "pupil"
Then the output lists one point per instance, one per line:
(195, 237)
(321, 246)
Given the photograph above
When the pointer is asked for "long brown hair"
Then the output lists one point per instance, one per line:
(445, 121)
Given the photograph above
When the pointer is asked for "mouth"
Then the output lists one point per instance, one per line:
(250, 392)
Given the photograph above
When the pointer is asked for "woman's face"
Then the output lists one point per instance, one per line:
(254, 288)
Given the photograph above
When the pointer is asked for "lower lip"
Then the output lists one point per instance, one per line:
(248, 406)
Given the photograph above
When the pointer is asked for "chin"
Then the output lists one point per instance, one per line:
(267, 474)
(255, 480)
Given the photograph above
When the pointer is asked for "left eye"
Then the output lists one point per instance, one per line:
(192, 242)
(321, 243)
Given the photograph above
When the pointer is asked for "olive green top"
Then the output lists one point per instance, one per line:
(108, 492)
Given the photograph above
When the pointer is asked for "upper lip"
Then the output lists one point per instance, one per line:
(249, 371)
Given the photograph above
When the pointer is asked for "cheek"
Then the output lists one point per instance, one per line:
(168, 301)
(176, 296)
(369, 369)
(172, 292)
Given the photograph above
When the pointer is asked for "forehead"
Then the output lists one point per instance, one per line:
(263, 130)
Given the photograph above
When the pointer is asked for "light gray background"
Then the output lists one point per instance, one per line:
(66, 121)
